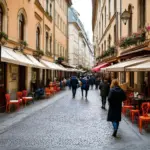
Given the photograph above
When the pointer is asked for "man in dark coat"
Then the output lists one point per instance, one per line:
(104, 90)
(74, 84)
(85, 86)
(115, 98)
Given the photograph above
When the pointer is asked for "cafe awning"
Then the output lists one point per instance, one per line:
(98, 68)
(11, 56)
(36, 63)
(121, 66)
(6, 57)
(141, 67)
(52, 66)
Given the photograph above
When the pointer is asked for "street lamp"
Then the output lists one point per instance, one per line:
(125, 16)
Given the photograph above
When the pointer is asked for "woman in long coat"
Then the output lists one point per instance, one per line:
(115, 98)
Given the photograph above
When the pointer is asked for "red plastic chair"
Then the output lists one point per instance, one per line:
(10, 102)
(47, 92)
(126, 106)
(26, 98)
(19, 96)
(145, 116)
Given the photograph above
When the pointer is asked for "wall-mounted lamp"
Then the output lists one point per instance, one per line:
(125, 16)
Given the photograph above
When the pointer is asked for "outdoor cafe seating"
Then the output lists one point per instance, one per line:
(138, 107)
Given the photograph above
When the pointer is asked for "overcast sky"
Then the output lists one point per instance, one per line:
(84, 8)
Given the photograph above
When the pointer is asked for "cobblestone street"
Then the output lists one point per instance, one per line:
(71, 124)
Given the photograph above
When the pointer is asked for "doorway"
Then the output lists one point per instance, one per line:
(22, 78)
(2, 86)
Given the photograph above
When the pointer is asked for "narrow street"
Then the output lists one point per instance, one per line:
(70, 124)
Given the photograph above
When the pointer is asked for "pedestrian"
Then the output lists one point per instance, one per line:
(74, 84)
(115, 98)
(92, 81)
(104, 90)
(97, 82)
(84, 86)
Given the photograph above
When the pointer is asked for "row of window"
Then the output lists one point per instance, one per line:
(63, 5)
(60, 23)
(60, 50)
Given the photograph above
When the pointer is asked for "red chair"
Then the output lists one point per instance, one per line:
(26, 98)
(133, 113)
(47, 92)
(126, 106)
(145, 116)
(19, 96)
(10, 102)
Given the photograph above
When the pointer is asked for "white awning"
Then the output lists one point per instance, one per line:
(16, 57)
(36, 63)
(52, 66)
(5, 57)
(121, 66)
(141, 67)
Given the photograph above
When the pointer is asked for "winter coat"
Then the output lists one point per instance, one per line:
(92, 81)
(104, 88)
(84, 84)
(74, 82)
(115, 98)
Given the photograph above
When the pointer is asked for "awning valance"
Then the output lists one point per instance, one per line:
(121, 66)
(52, 66)
(11, 56)
(36, 63)
(98, 68)
(141, 67)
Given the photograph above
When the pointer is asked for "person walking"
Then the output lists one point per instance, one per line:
(115, 98)
(97, 82)
(104, 90)
(92, 81)
(74, 84)
(85, 86)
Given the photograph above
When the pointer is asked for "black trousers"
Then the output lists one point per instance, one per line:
(103, 100)
(74, 91)
(86, 92)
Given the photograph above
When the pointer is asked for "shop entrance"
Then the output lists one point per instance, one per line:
(2, 86)
(35, 79)
(22, 78)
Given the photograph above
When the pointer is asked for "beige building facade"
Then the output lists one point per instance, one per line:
(110, 28)
(32, 31)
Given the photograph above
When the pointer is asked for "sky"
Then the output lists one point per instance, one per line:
(84, 8)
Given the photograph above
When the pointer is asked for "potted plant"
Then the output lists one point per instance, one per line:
(24, 43)
(38, 53)
(3, 37)
(60, 60)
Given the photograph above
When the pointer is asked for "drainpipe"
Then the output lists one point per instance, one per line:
(54, 50)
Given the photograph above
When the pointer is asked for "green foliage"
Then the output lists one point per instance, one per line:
(3, 35)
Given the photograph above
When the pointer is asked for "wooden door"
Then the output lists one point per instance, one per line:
(22, 78)
(2, 86)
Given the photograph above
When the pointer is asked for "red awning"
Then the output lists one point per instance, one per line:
(98, 68)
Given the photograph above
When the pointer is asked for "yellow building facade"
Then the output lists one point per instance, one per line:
(32, 31)
(110, 28)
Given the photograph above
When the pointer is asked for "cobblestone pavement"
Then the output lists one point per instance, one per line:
(71, 124)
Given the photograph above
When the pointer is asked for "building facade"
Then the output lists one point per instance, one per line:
(115, 22)
(80, 52)
(32, 31)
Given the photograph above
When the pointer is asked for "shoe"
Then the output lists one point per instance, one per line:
(114, 133)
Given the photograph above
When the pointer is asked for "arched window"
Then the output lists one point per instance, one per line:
(1, 19)
(50, 9)
(21, 27)
(102, 24)
(46, 41)
(105, 16)
(109, 9)
(109, 40)
(50, 44)
(47, 5)
(38, 38)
